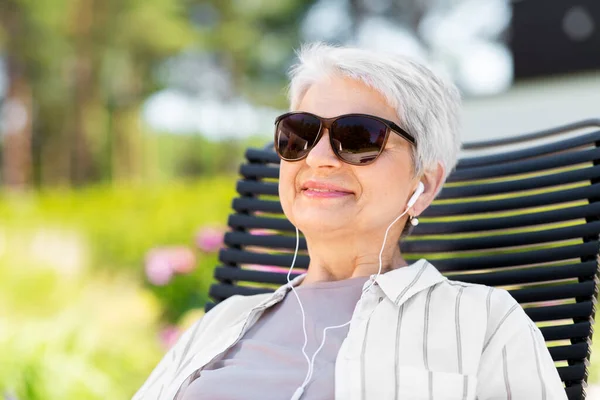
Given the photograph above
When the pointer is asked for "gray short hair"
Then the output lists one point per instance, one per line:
(427, 106)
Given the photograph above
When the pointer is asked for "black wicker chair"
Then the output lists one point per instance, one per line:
(522, 213)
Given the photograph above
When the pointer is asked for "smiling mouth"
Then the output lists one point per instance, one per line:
(314, 193)
(323, 190)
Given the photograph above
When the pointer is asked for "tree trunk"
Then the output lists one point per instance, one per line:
(17, 111)
(83, 94)
(128, 144)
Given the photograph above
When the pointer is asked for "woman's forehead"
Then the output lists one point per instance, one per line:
(335, 96)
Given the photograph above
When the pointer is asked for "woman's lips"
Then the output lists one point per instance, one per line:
(322, 190)
(324, 194)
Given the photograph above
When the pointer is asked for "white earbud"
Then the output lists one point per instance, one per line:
(418, 191)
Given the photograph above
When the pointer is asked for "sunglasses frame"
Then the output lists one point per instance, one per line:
(328, 122)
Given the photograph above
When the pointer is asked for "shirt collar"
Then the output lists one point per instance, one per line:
(294, 282)
(281, 291)
(398, 285)
(402, 283)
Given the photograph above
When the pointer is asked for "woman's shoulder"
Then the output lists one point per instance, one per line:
(230, 310)
(497, 301)
(502, 312)
(478, 292)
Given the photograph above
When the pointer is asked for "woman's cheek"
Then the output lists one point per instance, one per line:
(286, 198)
(287, 187)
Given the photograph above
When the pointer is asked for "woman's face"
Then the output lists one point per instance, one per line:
(322, 194)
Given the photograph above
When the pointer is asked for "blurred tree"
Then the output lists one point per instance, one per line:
(138, 35)
(254, 40)
(84, 67)
(79, 70)
(17, 110)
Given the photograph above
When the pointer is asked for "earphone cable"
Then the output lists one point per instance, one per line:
(300, 390)
(306, 357)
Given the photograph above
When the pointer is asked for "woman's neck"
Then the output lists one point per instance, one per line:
(337, 260)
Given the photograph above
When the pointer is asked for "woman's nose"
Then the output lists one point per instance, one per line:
(322, 155)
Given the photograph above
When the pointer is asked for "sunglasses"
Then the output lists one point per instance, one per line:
(356, 139)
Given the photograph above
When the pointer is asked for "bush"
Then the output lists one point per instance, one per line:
(79, 315)
(76, 336)
(121, 224)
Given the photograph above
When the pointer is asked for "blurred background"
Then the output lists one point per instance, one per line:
(123, 122)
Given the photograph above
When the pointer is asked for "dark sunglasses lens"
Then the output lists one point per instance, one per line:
(358, 140)
(296, 135)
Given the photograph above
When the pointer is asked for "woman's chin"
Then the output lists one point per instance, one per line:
(318, 220)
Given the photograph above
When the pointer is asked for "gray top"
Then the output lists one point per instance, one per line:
(267, 363)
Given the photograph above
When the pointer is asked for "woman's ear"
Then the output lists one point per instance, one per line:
(433, 181)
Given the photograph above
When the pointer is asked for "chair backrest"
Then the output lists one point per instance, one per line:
(526, 219)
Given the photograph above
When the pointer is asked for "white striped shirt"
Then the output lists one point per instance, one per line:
(414, 335)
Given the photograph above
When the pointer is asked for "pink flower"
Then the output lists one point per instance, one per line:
(168, 336)
(158, 269)
(183, 259)
(162, 263)
(209, 240)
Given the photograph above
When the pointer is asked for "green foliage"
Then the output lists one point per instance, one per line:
(89, 66)
(125, 220)
(120, 224)
(83, 336)
(78, 319)
(259, 37)
(193, 156)
(157, 28)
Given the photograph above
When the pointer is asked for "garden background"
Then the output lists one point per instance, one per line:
(122, 125)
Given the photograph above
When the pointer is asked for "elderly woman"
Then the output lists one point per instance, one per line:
(366, 148)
